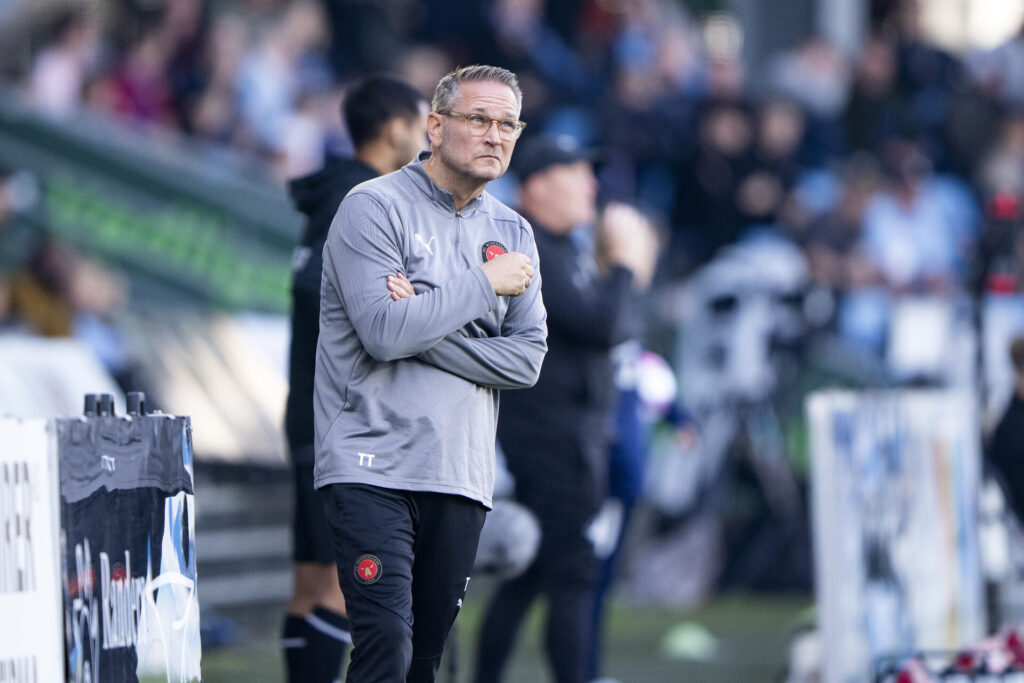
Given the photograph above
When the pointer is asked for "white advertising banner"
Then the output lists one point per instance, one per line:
(31, 639)
(895, 478)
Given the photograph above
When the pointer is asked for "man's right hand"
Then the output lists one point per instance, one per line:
(510, 274)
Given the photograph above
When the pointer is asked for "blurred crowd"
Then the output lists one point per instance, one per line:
(893, 173)
(50, 289)
(873, 194)
(879, 164)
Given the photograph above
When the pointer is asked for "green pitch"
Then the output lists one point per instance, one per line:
(734, 638)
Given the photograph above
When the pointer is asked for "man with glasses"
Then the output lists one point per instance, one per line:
(430, 304)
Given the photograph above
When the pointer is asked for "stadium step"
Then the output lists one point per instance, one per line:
(243, 534)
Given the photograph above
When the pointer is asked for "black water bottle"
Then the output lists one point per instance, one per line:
(136, 403)
(106, 405)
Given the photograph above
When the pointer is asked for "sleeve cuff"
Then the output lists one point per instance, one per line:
(486, 288)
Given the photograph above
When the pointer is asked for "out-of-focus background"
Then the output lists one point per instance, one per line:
(838, 188)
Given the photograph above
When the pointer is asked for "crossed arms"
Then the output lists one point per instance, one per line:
(436, 326)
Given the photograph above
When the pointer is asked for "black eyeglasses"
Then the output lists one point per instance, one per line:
(479, 124)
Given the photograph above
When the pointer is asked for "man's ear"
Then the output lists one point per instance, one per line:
(434, 123)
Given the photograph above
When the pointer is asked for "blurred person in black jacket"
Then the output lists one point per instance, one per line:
(707, 213)
(556, 435)
(1006, 450)
(386, 120)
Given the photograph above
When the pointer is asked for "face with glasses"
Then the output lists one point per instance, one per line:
(474, 139)
(479, 124)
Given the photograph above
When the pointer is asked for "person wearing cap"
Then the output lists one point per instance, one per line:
(556, 435)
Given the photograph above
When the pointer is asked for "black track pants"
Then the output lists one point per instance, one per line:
(404, 560)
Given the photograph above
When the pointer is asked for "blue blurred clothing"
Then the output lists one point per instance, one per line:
(927, 237)
(911, 244)
(626, 470)
(628, 451)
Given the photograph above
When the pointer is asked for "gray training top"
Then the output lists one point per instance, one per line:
(406, 392)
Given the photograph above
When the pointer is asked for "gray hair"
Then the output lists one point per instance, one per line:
(447, 90)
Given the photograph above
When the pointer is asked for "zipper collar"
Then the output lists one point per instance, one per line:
(415, 171)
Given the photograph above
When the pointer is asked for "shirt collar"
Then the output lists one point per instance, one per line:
(426, 185)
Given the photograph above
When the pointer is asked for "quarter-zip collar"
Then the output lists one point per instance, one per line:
(422, 180)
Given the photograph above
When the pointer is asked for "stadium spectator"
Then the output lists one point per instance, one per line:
(831, 240)
(707, 214)
(926, 78)
(1001, 70)
(213, 113)
(1002, 167)
(917, 237)
(874, 113)
(817, 76)
(647, 145)
(141, 86)
(285, 65)
(61, 69)
(41, 291)
(520, 36)
(916, 231)
(184, 27)
(775, 164)
(61, 293)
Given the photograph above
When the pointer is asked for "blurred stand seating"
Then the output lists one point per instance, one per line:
(126, 265)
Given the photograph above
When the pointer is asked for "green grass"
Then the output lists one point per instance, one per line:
(749, 639)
